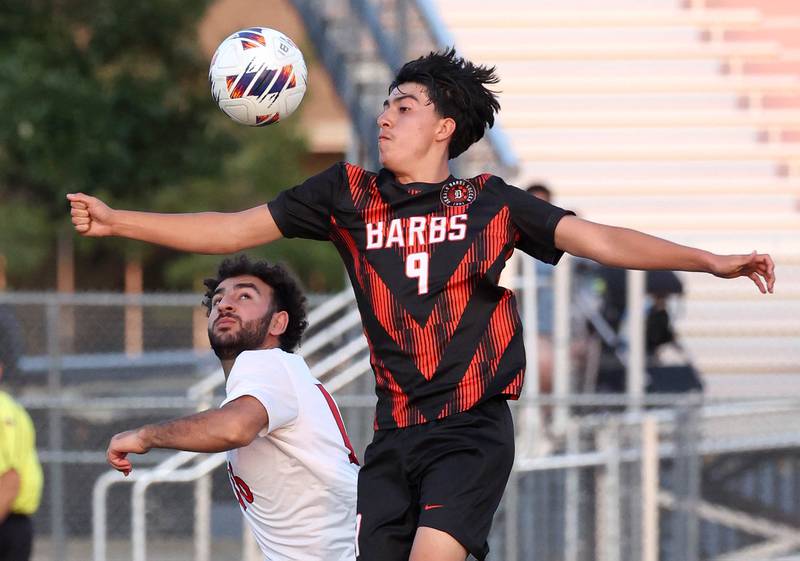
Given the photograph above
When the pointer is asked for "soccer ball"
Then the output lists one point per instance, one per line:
(258, 76)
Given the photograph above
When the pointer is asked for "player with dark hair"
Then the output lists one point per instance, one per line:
(286, 297)
(541, 191)
(457, 89)
(290, 462)
(424, 251)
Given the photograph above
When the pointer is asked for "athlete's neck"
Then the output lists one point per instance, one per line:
(435, 174)
(227, 366)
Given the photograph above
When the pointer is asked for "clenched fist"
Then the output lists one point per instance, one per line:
(90, 216)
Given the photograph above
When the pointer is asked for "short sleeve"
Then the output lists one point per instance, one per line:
(264, 376)
(7, 446)
(12, 439)
(304, 211)
(535, 220)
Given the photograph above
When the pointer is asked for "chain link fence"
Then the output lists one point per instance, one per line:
(673, 478)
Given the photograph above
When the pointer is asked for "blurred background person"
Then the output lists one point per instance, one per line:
(544, 304)
(20, 471)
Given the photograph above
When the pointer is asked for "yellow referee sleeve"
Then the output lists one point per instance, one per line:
(18, 452)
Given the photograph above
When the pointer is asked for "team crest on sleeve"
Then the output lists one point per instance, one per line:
(458, 192)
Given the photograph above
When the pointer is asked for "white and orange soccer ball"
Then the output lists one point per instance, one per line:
(258, 76)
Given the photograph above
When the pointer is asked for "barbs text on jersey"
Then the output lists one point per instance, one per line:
(416, 231)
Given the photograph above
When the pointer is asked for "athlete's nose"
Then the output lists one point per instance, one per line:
(226, 303)
(383, 119)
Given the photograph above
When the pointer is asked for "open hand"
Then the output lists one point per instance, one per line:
(123, 444)
(90, 216)
(758, 267)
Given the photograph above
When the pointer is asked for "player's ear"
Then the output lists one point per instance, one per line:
(279, 323)
(446, 128)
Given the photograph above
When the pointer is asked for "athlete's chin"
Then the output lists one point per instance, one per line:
(391, 162)
(223, 339)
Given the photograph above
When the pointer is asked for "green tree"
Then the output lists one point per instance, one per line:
(111, 97)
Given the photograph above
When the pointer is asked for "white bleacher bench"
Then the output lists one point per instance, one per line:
(613, 187)
(509, 18)
(764, 327)
(747, 365)
(684, 118)
(750, 50)
(720, 18)
(700, 220)
(660, 152)
(584, 85)
(681, 202)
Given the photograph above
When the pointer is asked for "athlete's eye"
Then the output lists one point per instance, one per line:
(404, 109)
(215, 300)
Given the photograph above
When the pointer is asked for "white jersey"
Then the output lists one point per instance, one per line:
(296, 482)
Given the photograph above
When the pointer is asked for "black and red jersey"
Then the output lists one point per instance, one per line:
(424, 260)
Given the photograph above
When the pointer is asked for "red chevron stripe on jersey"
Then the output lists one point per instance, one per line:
(424, 342)
(490, 349)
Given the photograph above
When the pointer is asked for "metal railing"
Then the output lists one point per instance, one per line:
(361, 42)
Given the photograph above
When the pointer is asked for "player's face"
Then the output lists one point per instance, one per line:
(408, 128)
(241, 312)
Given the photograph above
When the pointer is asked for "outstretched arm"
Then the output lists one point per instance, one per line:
(234, 425)
(630, 249)
(202, 232)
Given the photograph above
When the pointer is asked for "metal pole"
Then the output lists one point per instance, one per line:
(562, 279)
(530, 422)
(687, 483)
(139, 520)
(572, 491)
(511, 511)
(202, 505)
(55, 439)
(202, 519)
(636, 334)
(650, 487)
(608, 495)
(402, 28)
(99, 523)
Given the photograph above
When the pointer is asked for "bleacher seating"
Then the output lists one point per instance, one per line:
(674, 119)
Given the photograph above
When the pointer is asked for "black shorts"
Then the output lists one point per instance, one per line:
(447, 474)
(16, 538)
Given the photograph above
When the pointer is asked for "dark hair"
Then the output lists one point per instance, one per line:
(457, 89)
(535, 188)
(287, 294)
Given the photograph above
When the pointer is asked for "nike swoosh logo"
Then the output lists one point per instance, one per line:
(431, 507)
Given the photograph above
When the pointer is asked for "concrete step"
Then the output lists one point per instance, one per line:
(525, 35)
(553, 171)
(783, 306)
(624, 78)
(588, 118)
(508, 17)
(521, 104)
(747, 385)
(656, 220)
(492, 52)
(725, 186)
(683, 203)
(745, 327)
(660, 140)
(644, 151)
(446, 6)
